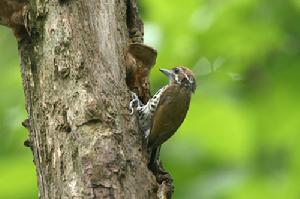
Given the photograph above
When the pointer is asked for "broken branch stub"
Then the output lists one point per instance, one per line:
(12, 15)
(140, 59)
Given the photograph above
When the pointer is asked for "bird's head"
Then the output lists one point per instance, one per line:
(182, 76)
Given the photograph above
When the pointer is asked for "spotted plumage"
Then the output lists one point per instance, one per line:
(145, 112)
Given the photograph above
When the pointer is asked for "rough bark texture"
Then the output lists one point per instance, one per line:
(85, 143)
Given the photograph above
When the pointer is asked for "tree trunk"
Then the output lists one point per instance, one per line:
(84, 141)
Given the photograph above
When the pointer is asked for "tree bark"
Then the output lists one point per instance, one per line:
(84, 141)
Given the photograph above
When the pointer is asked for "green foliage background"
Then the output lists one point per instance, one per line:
(240, 139)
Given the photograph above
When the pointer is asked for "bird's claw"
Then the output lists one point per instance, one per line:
(134, 103)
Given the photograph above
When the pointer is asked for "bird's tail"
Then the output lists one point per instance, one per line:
(153, 158)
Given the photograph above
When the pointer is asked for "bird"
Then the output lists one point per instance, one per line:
(163, 114)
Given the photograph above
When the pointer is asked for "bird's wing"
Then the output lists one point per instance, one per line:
(169, 115)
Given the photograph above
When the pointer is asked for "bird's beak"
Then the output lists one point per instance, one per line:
(167, 72)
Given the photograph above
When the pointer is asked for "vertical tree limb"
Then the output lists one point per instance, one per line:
(84, 142)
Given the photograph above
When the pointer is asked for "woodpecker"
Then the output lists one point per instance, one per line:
(166, 110)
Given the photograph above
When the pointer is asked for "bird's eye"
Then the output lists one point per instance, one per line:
(176, 70)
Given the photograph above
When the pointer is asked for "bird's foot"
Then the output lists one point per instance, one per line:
(135, 102)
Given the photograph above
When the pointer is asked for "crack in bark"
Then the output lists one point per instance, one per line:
(134, 24)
